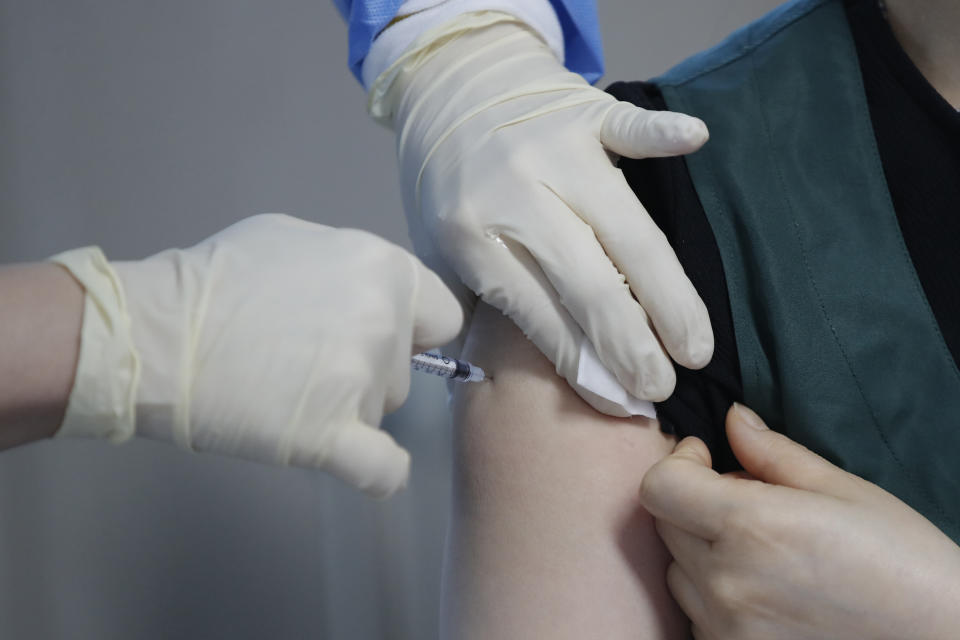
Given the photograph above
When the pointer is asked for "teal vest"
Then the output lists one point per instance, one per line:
(837, 344)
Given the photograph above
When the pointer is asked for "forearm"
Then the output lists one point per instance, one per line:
(547, 537)
(40, 321)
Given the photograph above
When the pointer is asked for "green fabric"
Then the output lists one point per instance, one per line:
(838, 347)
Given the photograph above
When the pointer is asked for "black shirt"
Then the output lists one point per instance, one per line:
(918, 137)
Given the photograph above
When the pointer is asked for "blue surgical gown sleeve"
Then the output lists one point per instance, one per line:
(578, 18)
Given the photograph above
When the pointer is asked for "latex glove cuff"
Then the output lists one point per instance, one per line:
(381, 102)
(101, 406)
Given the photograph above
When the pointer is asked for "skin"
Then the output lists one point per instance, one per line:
(548, 538)
(927, 31)
(40, 321)
(796, 548)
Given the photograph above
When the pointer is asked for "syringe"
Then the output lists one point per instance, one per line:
(440, 365)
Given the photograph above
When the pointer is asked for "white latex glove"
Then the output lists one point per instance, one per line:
(508, 180)
(275, 340)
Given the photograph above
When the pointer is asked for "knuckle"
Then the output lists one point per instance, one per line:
(359, 238)
(458, 225)
(640, 128)
(521, 158)
(732, 608)
(271, 218)
(396, 394)
(659, 379)
(661, 124)
(725, 591)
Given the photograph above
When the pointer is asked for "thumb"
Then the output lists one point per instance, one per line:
(694, 450)
(367, 459)
(776, 459)
(438, 315)
(633, 132)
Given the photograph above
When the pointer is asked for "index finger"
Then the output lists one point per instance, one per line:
(641, 252)
(686, 492)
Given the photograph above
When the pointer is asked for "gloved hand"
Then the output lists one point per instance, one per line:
(276, 340)
(508, 183)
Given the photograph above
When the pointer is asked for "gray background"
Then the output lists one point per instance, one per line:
(141, 125)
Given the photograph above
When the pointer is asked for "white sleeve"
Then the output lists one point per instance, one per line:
(425, 14)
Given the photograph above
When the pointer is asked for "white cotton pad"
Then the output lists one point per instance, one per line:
(593, 376)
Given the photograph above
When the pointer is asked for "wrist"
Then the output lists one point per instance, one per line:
(101, 399)
(161, 291)
(450, 58)
(417, 17)
(39, 347)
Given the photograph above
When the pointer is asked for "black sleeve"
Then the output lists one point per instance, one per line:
(699, 405)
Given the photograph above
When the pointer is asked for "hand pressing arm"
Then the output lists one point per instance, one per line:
(510, 187)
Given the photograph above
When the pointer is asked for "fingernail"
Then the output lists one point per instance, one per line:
(748, 417)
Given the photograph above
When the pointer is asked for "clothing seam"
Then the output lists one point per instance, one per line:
(765, 129)
(901, 241)
(749, 48)
(907, 261)
(711, 193)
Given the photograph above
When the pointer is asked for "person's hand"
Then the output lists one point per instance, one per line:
(508, 179)
(275, 340)
(796, 548)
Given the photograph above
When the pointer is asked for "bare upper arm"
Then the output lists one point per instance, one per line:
(548, 538)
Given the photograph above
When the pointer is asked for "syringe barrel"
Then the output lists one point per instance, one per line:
(440, 365)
